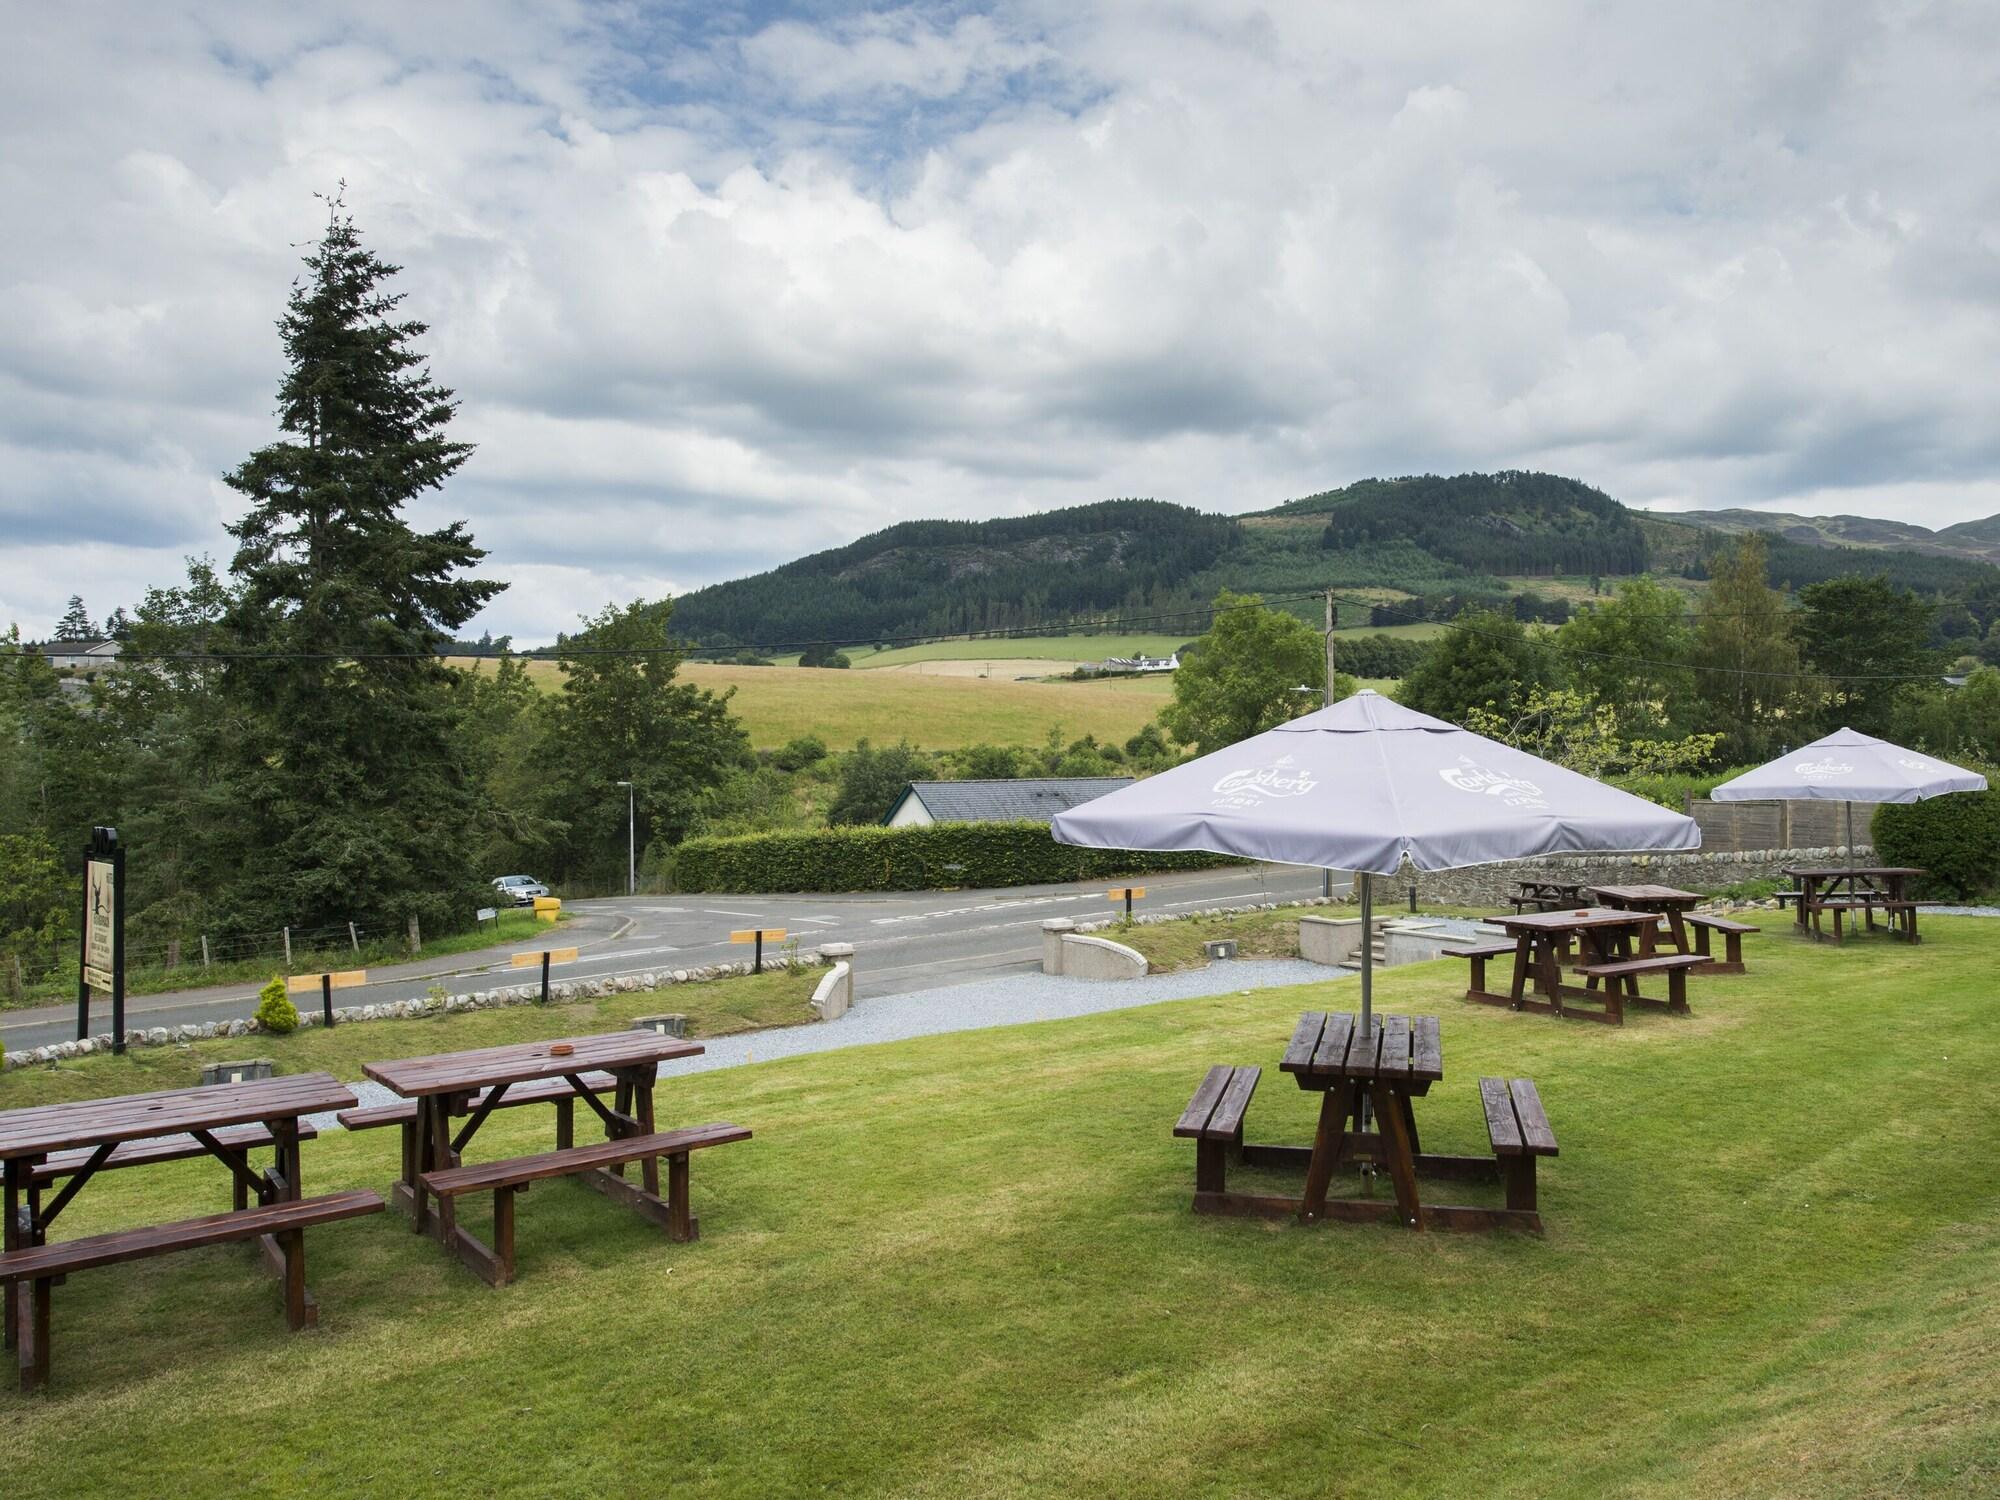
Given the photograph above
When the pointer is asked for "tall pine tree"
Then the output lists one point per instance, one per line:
(352, 793)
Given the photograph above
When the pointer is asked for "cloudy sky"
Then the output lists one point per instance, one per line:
(722, 285)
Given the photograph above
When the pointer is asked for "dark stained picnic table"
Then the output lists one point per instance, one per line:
(1863, 888)
(206, 1114)
(1388, 1064)
(443, 1086)
(1547, 895)
(1670, 904)
(1604, 938)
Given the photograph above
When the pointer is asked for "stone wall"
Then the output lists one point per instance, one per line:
(1698, 870)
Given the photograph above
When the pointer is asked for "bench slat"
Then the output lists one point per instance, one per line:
(1194, 1119)
(1536, 1136)
(1228, 1116)
(167, 1148)
(1657, 965)
(1305, 1038)
(517, 1170)
(1719, 924)
(1501, 1126)
(1479, 950)
(65, 1256)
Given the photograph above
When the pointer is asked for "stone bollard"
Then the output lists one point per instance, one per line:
(835, 993)
(237, 1072)
(1052, 936)
(667, 1025)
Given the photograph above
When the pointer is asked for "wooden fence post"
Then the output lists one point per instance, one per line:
(353, 938)
(288, 947)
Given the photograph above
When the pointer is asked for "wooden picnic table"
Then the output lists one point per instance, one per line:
(1670, 904)
(1840, 889)
(1547, 895)
(1388, 1064)
(43, 1144)
(1605, 940)
(443, 1086)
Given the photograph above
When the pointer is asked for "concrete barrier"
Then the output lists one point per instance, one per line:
(1099, 958)
(1053, 931)
(1415, 942)
(834, 994)
(1333, 940)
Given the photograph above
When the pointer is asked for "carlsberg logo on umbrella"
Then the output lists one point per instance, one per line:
(1252, 785)
(1823, 768)
(1470, 776)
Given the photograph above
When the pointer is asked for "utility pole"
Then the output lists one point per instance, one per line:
(1326, 700)
(631, 841)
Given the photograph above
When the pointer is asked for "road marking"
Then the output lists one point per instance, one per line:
(966, 911)
(716, 911)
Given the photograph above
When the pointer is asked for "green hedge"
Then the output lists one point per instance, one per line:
(908, 859)
(1955, 838)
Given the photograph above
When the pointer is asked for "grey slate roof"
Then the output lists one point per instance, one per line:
(1036, 799)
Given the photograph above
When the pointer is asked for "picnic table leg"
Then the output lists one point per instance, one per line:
(642, 1101)
(15, 1172)
(420, 1208)
(1335, 1105)
(1523, 961)
(1398, 1155)
(442, 1109)
(1410, 1122)
(1548, 973)
(1677, 929)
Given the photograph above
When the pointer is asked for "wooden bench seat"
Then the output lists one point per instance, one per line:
(286, 1221)
(1213, 1120)
(1518, 1129)
(166, 1148)
(1479, 953)
(1732, 935)
(506, 1178)
(1627, 971)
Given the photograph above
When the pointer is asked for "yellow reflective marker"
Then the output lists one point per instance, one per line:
(751, 934)
(533, 960)
(1134, 892)
(342, 979)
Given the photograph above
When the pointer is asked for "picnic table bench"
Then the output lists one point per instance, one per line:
(1838, 890)
(1388, 1064)
(71, 1143)
(1605, 939)
(1732, 933)
(1546, 895)
(476, 1083)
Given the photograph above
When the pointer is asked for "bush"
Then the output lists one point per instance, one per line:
(1956, 838)
(796, 755)
(275, 1011)
(908, 859)
(1673, 790)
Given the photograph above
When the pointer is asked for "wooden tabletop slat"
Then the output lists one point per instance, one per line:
(1393, 1061)
(457, 1072)
(1638, 894)
(44, 1128)
(1568, 921)
(1364, 1048)
(1305, 1041)
(1331, 1054)
(1821, 872)
(1426, 1050)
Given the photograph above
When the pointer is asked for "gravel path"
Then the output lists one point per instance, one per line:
(1010, 1001)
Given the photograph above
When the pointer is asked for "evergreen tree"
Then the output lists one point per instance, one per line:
(75, 624)
(1485, 661)
(1632, 652)
(1744, 659)
(1862, 634)
(351, 792)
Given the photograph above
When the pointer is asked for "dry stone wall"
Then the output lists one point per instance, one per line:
(1698, 870)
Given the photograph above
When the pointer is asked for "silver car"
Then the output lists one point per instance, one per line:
(519, 890)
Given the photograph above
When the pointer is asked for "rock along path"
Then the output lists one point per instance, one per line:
(1014, 1000)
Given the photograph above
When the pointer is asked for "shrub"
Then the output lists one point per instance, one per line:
(275, 1011)
(1674, 788)
(908, 859)
(796, 755)
(1955, 838)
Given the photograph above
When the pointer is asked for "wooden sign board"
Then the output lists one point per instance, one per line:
(308, 984)
(100, 922)
(751, 934)
(1136, 892)
(533, 960)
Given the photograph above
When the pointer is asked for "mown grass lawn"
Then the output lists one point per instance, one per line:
(965, 1265)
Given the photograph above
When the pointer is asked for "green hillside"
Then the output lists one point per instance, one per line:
(1421, 546)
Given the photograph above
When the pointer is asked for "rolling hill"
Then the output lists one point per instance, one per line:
(1426, 537)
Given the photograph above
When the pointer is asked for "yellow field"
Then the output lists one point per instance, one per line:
(777, 704)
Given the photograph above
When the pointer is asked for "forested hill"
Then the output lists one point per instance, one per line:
(1468, 536)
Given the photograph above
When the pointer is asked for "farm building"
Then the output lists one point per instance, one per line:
(1030, 799)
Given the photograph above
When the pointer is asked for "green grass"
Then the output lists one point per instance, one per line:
(722, 1007)
(513, 925)
(1031, 647)
(965, 1265)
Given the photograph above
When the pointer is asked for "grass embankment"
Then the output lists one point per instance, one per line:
(777, 704)
(966, 1265)
(721, 1007)
(513, 925)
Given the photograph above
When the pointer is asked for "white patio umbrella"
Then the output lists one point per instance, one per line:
(1365, 783)
(1848, 766)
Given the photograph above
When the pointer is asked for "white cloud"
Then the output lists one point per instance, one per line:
(715, 295)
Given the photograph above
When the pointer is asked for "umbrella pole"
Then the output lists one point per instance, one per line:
(1367, 990)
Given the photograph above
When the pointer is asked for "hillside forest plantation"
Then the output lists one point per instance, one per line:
(286, 741)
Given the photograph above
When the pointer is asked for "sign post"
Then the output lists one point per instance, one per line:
(757, 935)
(326, 984)
(544, 957)
(103, 951)
(1127, 893)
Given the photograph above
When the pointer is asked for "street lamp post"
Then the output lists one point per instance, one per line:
(631, 838)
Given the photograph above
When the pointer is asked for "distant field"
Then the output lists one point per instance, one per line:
(1057, 648)
(777, 704)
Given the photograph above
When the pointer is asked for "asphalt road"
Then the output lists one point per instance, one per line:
(902, 941)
